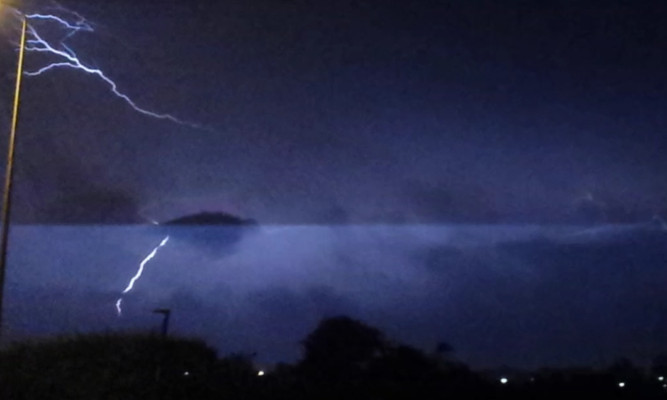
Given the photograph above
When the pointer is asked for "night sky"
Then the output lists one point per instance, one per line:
(480, 172)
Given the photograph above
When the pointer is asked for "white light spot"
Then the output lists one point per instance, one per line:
(621, 384)
(503, 380)
(186, 373)
(260, 373)
(661, 378)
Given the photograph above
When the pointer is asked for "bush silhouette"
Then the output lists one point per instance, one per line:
(105, 367)
(341, 346)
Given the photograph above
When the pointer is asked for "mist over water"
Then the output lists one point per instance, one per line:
(499, 294)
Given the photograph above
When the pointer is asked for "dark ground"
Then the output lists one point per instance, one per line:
(342, 358)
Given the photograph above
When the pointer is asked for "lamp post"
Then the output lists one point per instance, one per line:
(9, 169)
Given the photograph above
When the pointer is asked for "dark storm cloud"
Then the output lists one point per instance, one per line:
(454, 203)
(101, 206)
(74, 197)
(606, 209)
(333, 215)
(462, 201)
(321, 104)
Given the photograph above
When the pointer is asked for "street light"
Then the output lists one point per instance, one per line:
(9, 170)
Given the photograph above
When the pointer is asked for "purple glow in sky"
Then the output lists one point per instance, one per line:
(477, 172)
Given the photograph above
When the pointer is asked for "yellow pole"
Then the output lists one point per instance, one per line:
(7, 195)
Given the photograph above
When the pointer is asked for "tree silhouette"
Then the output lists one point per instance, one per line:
(341, 346)
(106, 367)
(404, 363)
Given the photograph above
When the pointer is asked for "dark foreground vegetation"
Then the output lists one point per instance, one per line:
(343, 359)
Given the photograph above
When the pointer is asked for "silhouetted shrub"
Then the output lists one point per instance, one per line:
(105, 367)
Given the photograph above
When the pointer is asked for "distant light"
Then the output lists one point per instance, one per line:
(503, 380)
(621, 384)
(260, 373)
(661, 378)
(186, 373)
(664, 385)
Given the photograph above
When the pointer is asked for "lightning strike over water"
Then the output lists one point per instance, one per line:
(140, 271)
(68, 58)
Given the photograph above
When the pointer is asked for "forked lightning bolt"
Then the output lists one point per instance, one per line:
(140, 271)
(66, 57)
